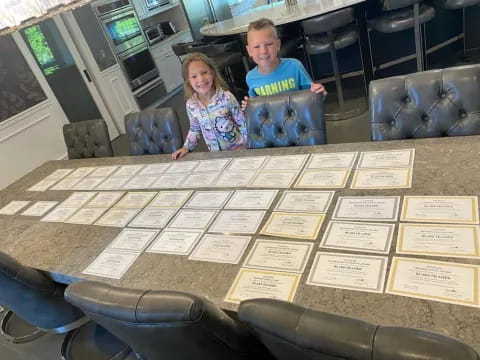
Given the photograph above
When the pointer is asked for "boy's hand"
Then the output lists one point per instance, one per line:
(318, 89)
(245, 102)
(180, 153)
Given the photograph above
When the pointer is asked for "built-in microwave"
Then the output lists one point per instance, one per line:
(139, 66)
(151, 4)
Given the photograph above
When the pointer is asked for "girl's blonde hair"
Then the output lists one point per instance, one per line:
(218, 81)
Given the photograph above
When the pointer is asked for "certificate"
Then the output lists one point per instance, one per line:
(198, 180)
(343, 160)
(286, 162)
(170, 199)
(382, 179)
(374, 208)
(112, 263)
(175, 242)
(252, 199)
(140, 182)
(274, 179)
(88, 183)
(182, 167)
(193, 219)
(296, 225)
(104, 171)
(434, 280)
(117, 217)
(215, 165)
(235, 178)
(305, 201)
(247, 163)
(279, 255)
(439, 240)
(59, 214)
(42, 185)
(153, 218)
(323, 179)
(128, 170)
(86, 216)
(105, 199)
(81, 172)
(220, 248)
(78, 199)
(352, 272)
(13, 207)
(58, 174)
(113, 183)
(252, 284)
(356, 236)
(154, 169)
(209, 199)
(386, 159)
(66, 184)
(135, 199)
(238, 221)
(39, 208)
(169, 181)
(133, 239)
(447, 209)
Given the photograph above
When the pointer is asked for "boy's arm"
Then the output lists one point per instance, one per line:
(306, 81)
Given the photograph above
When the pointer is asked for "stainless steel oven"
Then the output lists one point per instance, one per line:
(152, 4)
(138, 65)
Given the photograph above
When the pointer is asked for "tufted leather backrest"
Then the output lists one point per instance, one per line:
(428, 104)
(155, 131)
(291, 331)
(87, 139)
(288, 119)
(165, 324)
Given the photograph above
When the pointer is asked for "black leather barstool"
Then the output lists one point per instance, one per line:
(291, 331)
(87, 139)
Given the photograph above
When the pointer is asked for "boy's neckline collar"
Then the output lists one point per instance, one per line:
(280, 60)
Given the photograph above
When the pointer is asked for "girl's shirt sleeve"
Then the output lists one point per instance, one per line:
(238, 116)
(194, 131)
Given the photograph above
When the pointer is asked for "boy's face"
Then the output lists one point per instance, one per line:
(263, 47)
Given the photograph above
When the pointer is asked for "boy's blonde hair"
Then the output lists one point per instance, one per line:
(261, 24)
(218, 81)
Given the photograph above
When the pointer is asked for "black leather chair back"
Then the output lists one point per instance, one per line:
(428, 104)
(328, 22)
(165, 324)
(288, 119)
(290, 331)
(38, 300)
(155, 131)
(87, 139)
(388, 5)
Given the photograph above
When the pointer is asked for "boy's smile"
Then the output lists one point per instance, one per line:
(263, 48)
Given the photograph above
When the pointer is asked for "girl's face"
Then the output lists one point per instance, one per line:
(200, 77)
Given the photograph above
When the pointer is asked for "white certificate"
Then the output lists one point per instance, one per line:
(140, 182)
(42, 185)
(286, 162)
(439, 240)
(253, 284)
(323, 179)
(209, 199)
(352, 272)
(88, 183)
(382, 179)
(220, 248)
(274, 179)
(448, 209)
(59, 214)
(111, 263)
(175, 242)
(128, 170)
(104, 171)
(343, 160)
(78, 199)
(81, 172)
(434, 280)
(293, 225)
(39, 208)
(86, 216)
(279, 255)
(105, 199)
(113, 183)
(182, 167)
(247, 163)
(170, 199)
(58, 174)
(135, 199)
(117, 217)
(193, 219)
(133, 239)
(169, 181)
(240, 222)
(198, 180)
(356, 236)
(235, 178)
(66, 184)
(252, 199)
(154, 169)
(153, 218)
(386, 159)
(305, 201)
(214, 165)
(374, 208)
(13, 207)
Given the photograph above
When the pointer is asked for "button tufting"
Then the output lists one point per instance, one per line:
(462, 114)
(392, 122)
(425, 118)
(443, 95)
(407, 99)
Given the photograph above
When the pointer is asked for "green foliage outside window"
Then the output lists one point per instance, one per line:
(39, 45)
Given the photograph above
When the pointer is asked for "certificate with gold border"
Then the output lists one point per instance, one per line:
(439, 240)
(293, 225)
(386, 159)
(382, 179)
(253, 284)
(446, 282)
(323, 179)
(440, 209)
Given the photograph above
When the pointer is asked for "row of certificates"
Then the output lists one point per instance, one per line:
(375, 170)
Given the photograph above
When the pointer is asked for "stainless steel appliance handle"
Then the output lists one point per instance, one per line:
(148, 87)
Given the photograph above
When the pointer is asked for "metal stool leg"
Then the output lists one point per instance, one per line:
(418, 37)
(336, 71)
(464, 28)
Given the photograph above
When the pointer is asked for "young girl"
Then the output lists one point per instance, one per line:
(212, 110)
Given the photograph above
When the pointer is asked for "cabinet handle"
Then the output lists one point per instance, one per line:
(87, 75)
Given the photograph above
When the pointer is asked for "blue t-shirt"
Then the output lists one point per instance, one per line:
(290, 75)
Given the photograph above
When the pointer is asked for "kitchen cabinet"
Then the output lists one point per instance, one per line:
(143, 12)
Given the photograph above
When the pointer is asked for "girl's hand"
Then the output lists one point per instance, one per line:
(318, 89)
(180, 153)
(245, 102)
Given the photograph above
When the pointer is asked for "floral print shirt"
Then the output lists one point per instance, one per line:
(222, 123)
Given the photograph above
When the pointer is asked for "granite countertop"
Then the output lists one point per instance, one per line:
(443, 166)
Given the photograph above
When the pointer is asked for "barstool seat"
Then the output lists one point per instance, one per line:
(456, 4)
(342, 39)
(399, 20)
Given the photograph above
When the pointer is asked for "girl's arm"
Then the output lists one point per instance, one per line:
(194, 132)
(238, 116)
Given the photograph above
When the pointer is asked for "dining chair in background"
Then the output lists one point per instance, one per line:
(87, 139)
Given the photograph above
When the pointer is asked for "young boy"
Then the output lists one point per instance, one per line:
(273, 75)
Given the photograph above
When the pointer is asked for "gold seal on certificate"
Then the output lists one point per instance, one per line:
(373, 208)
(296, 225)
(386, 159)
(323, 179)
(382, 179)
